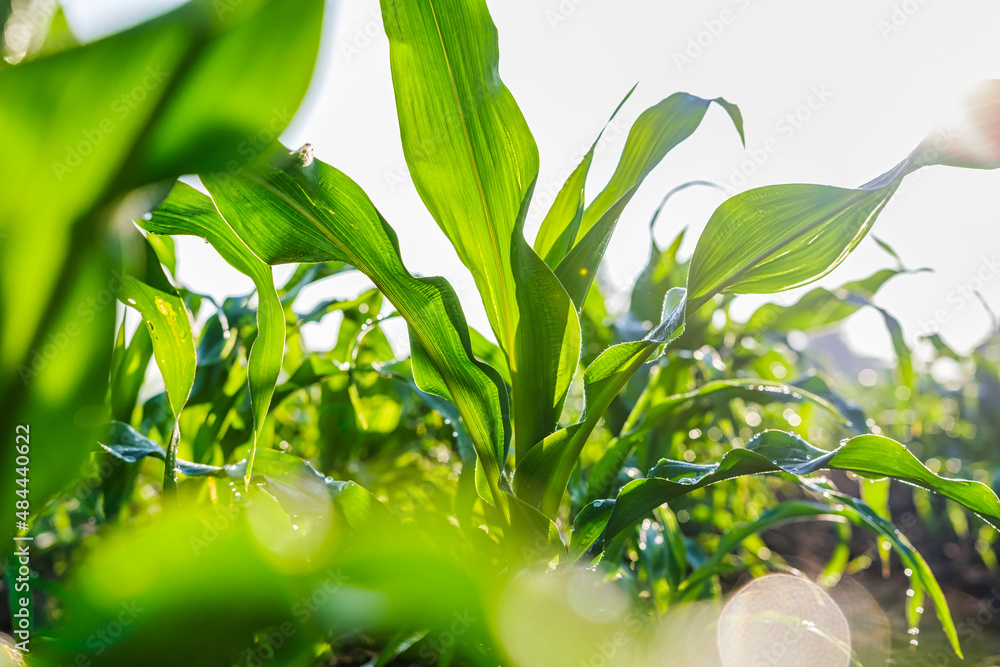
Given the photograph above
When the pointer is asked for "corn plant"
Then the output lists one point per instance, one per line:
(529, 471)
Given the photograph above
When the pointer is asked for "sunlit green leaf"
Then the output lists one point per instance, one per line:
(169, 327)
(777, 451)
(655, 133)
(187, 211)
(295, 201)
(541, 476)
(474, 162)
(777, 237)
(91, 123)
(558, 232)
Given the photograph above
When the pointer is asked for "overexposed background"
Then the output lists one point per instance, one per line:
(878, 74)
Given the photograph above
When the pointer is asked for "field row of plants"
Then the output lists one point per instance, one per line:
(585, 483)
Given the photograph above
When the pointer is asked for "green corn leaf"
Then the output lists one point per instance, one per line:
(85, 138)
(604, 474)
(533, 536)
(777, 451)
(904, 358)
(840, 506)
(313, 369)
(840, 558)
(778, 237)
(677, 556)
(541, 477)
(921, 577)
(324, 308)
(590, 523)
(561, 224)
(400, 373)
(474, 162)
(129, 373)
(875, 493)
(819, 308)
(222, 387)
(166, 317)
(489, 353)
(307, 274)
(890, 251)
(187, 211)
(467, 146)
(148, 122)
(663, 269)
(397, 645)
(780, 452)
(166, 251)
(662, 272)
(650, 412)
(546, 346)
(128, 445)
(290, 201)
(655, 133)
(783, 513)
(275, 468)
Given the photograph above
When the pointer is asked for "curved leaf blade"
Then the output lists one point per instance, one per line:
(467, 145)
(819, 308)
(293, 197)
(656, 132)
(169, 326)
(778, 237)
(775, 238)
(778, 451)
(558, 232)
(541, 477)
(648, 414)
(84, 140)
(474, 164)
(187, 211)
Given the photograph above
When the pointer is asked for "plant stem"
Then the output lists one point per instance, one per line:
(170, 465)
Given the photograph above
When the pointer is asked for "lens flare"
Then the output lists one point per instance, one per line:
(781, 620)
(9, 656)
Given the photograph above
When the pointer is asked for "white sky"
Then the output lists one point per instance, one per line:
(889, 71)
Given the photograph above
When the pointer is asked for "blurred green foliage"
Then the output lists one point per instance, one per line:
(209, 489)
